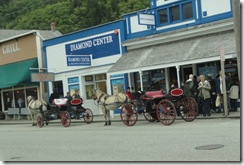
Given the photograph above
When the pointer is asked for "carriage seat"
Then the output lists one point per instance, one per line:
(154, 94)
(60, 102)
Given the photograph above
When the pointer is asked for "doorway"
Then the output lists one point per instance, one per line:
(186, 71)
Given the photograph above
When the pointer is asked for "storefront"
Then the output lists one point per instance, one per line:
(80, 61)
(19, 54)
(173, 60)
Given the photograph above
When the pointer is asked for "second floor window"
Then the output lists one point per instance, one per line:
(176, 13)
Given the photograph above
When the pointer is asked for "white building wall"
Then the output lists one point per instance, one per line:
(135, 26)
(164, 2)
(214, 7)
(56, 62)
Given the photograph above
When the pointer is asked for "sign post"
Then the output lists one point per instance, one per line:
(222, 59)
(41, 77)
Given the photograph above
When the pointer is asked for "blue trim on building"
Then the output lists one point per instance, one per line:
(197, 10)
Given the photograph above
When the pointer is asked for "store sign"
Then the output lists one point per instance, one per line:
(146, 19)
(11, 48)
(41, 77)
(79, 60)
(102, 46)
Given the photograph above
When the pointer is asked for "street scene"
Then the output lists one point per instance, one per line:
(120, 81)
(204, 140)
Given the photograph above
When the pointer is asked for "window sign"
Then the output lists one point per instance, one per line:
(79, 60)
(73, 80)
(74, 88)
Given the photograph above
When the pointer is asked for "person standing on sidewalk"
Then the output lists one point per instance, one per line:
(204, 88)
(234, 95)
(189, 87)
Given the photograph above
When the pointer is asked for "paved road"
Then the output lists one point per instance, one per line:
(143, 142)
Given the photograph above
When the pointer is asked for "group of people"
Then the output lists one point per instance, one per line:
(206, 91)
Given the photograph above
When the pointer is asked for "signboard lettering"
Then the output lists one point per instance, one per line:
(102, 46)
(11, 48)
(146, 19)
(79, 60)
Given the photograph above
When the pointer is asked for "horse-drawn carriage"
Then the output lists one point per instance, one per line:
(156, 106)
(65, 111)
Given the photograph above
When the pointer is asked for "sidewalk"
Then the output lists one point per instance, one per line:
(116, 118)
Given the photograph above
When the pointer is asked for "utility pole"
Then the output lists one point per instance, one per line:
(237, 29)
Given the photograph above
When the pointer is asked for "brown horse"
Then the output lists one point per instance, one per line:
(109, 102)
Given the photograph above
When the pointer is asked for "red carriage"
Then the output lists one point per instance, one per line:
(157, 106)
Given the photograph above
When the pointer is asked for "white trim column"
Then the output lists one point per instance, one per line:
(178, 74)
(141, 80)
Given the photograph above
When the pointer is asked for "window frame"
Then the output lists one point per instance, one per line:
(169, 15)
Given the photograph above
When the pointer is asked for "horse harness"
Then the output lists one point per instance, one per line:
(105, 98)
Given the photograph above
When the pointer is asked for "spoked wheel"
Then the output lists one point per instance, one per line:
(65, 118)
(190, 109)
(39, 119)
(166, 112)
(128, 114)
(148, 117)
(88, 116)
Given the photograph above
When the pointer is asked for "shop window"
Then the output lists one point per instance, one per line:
(102, 86)
(89, 90)
(95, 81)
(152, 80)
(19, 97)
(100, 77)
(31, 92)
(73, 88)
(88, 78)
(8, 100)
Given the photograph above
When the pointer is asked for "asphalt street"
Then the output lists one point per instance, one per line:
(212, 140)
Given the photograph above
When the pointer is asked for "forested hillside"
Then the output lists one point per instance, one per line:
(69, 15)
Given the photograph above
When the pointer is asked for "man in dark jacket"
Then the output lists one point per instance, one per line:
(53, 96)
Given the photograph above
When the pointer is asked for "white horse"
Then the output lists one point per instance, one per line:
(34, 107)
(107, 102)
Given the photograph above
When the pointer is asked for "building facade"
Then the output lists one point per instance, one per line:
(80, 61)
(175, 38)
(20, 55)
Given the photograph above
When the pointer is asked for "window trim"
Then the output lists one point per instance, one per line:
(169, 8)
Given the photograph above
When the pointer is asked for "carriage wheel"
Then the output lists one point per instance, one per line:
(128, 114)
(190, 109)
(39, 119)
(148, 117)
(65, 118)
(166, 112)
(88, 116)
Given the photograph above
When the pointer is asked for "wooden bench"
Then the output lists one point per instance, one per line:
(14, 113)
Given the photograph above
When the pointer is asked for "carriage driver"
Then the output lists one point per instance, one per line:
(80, 108)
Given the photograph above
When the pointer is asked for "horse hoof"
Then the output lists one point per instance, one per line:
(105, 124)
(34, 124)
(109, 123)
